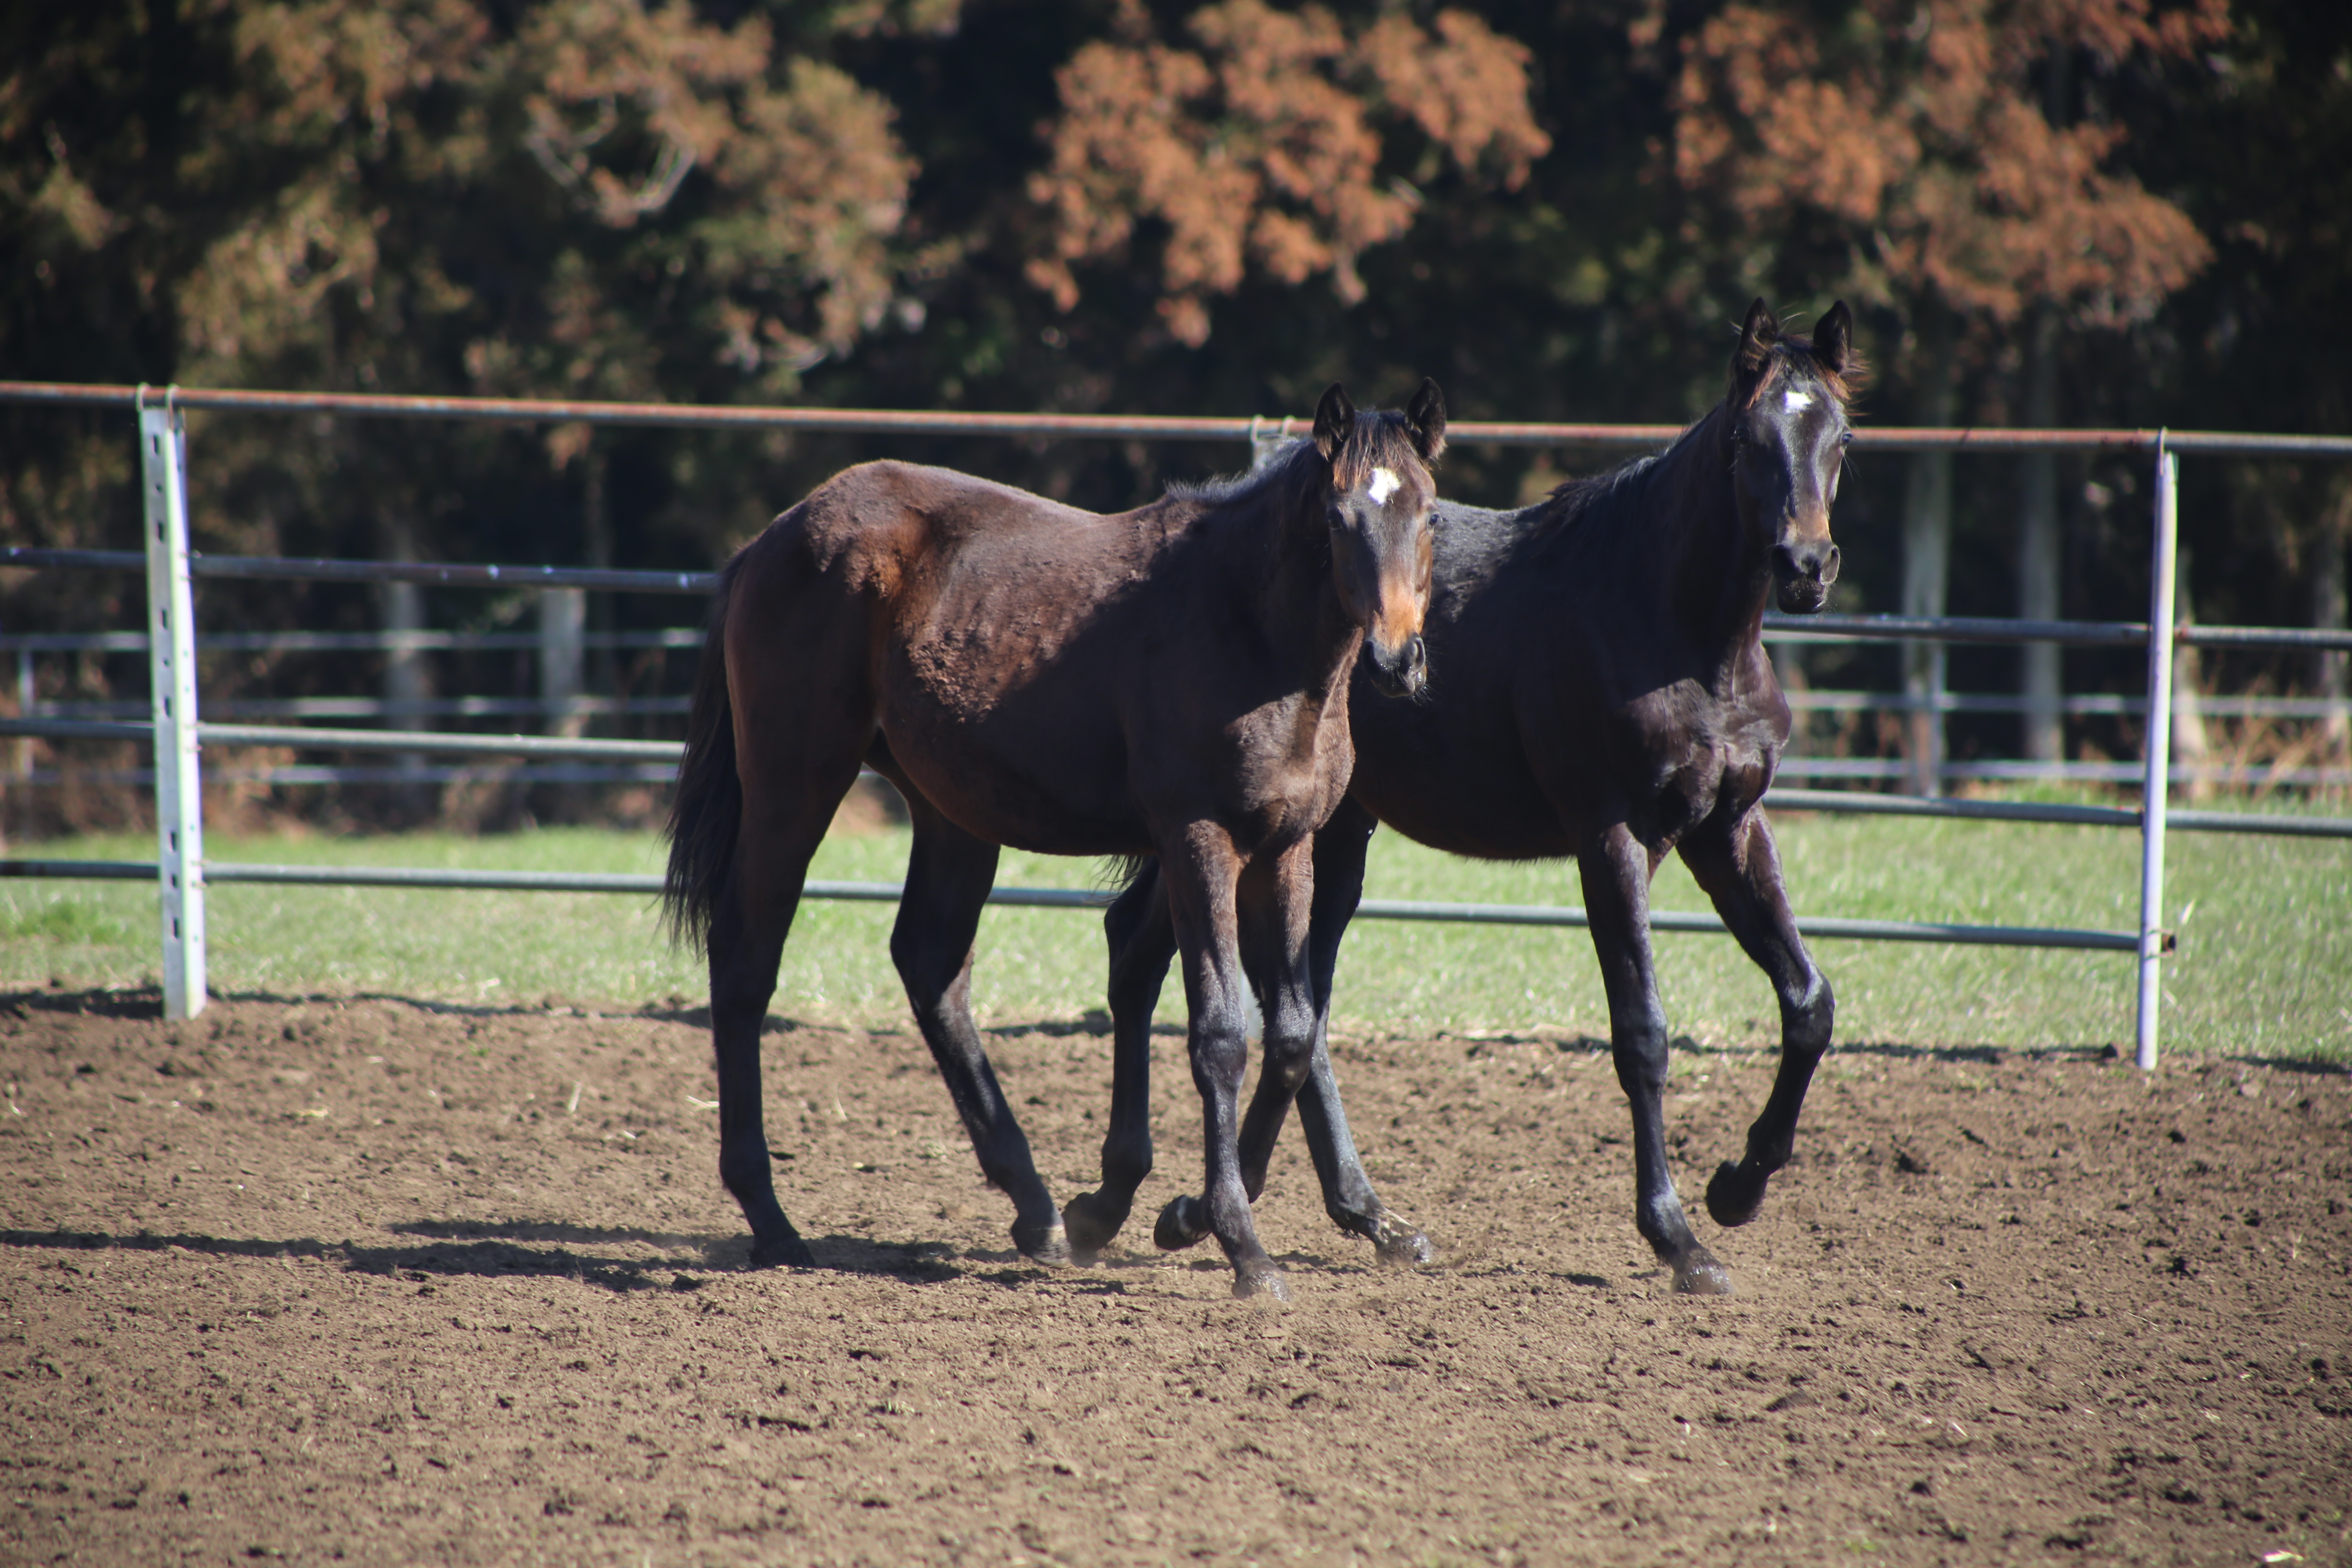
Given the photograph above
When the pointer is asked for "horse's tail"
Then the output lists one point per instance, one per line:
(707, 812)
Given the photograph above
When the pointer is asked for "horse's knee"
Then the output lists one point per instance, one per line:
(1220, 1049)
(1640, 1053)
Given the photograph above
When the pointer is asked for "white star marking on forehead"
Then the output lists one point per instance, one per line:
(1794, 400)
(1384, 485)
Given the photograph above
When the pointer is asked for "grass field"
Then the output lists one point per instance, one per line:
(2264, 966)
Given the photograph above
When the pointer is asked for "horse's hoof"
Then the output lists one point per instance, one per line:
(1047, 1245)
(1698, 1274)
(1182, 1223)
(1734, 1196)
(785, 1251)
(1262, 1281)
(1397, 1242)
(1091, 1221)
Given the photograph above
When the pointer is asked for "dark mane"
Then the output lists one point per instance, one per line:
(1382, 439)
(1233, 487)
(1572, 500)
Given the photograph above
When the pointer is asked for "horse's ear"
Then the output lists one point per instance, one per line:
(1425, 415)
(1335, 417)
(1757, 336)
(1833, 339)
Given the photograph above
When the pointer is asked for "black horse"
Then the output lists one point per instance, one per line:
(1172, 680)
(1598, 690)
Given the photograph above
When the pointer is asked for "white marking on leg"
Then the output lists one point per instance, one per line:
(1793, 399)
(1384, 485)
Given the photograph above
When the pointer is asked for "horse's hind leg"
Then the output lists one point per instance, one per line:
(949, 874)
(1616, 870)
(1142, 941)
(748, 928)
(1740, 870)
(1347, 1194)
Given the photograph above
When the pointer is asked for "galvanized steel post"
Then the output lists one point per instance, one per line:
(172, 680)
(2161, 573)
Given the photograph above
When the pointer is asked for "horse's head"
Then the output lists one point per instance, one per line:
(1377, 505)
(1788, 431)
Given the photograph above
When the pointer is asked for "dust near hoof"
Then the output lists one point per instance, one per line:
(1698, 1274)
(1398, 1244)
(786, 1252)
(1048, 1247)
(1181, 1225)
(1090, 1225)
(1266, 1283)
(1733, 1197)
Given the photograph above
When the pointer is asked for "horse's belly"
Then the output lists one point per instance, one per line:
(1054, 789)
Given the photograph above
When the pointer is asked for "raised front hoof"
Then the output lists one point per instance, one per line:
(1698, 1274)
(1263, 1280)
(1091, 1221)
(1735, 1194)
(1396, 1243)
(1047, 1245)
(1183, 1223)
(785, 1251)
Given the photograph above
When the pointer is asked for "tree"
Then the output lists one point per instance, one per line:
(1926, 158)
(1260, 147)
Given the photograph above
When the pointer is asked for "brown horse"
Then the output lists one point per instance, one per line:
(1171, 681)
(1601, 692)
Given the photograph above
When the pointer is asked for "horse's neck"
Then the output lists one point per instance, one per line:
(1715, 573)
(1298, 610)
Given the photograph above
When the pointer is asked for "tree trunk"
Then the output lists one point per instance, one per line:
(1927, 550)
(563, 616)
(2038, 598)
(2190, 746)
(604, 662)
(2327, 614)
(407, 682)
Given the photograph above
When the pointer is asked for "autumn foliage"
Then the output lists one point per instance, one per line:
(1918, 128)
(1264, 144)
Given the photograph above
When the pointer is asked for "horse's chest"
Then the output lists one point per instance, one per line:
(1705, 757)
(1292, 760)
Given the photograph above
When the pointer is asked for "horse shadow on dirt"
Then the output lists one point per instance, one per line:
(541, 1250)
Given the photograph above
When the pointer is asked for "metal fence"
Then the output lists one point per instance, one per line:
(176, 734)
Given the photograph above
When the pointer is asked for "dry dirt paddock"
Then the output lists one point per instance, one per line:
(379, 1281)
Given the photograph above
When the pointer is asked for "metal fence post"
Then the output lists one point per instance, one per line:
(172, 680)
(2161, 588)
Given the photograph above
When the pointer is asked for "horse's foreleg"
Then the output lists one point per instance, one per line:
(1201, 870)
(1616, 870)
(949, 874)
(1142, 941)
(1348, 1194)
(1740, 870)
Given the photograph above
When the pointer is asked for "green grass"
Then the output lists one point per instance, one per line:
(2264, 966)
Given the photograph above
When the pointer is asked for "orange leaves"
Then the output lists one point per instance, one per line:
(1261, 145)
(595, 64)
(1918, 127)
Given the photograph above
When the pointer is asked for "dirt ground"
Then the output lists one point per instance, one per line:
(386, 1281)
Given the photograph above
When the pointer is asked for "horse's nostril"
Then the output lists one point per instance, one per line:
(1830, 566)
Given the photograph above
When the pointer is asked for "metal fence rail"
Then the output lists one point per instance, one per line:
(182, 870)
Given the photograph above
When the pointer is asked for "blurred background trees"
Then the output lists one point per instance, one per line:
(2068, 211)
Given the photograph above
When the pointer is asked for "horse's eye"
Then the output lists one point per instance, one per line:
(1846, 437)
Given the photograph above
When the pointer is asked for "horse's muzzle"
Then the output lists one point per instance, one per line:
(1400, 672)
(1802, 575)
